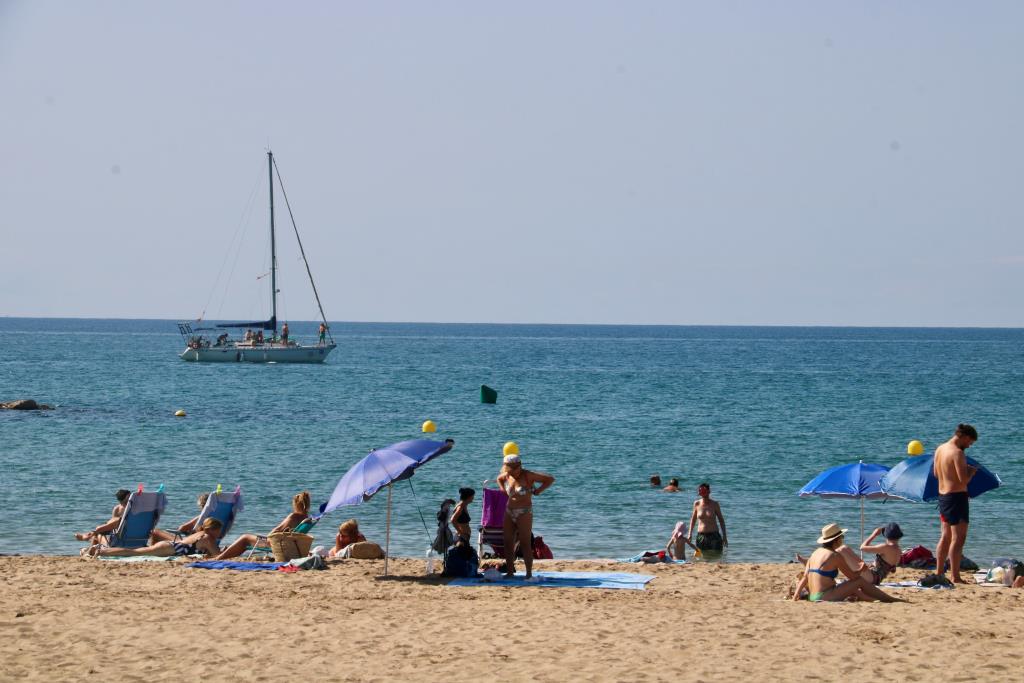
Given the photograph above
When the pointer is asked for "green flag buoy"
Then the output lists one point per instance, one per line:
(488, 395)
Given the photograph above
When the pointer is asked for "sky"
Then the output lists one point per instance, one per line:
(733, 163)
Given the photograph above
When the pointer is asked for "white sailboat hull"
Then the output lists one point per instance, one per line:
(266, 353)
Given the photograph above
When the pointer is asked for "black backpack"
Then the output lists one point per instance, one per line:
(461, 561)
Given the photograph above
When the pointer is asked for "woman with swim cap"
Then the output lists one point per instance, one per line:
(520, 485)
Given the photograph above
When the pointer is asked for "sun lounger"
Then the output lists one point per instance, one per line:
(223, 507)
(141, 514)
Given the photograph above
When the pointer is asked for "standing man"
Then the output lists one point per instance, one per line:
(284, 334)
(951, 469)
(323, 334)
(706, 518)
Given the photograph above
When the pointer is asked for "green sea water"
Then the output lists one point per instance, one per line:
(756, 411)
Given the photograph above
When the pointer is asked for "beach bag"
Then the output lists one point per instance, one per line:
(919, 555)
(444, 539)
(1005, 570)
(288, 545)
(363, 550)
(461, 561)
(541, 551)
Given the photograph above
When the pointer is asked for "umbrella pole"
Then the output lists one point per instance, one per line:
(861, 526)
(387, 534)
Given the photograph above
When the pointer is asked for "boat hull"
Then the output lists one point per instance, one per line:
(258, 354)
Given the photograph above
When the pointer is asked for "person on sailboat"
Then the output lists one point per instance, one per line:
(284, 334)
(323, 334)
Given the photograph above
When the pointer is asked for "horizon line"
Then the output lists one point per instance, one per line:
(549, 324)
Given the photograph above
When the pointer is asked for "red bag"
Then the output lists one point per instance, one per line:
(541, 551)
(917, 553)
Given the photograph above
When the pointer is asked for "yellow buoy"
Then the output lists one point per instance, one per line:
(179, 413)
(915, 447)
(429, 426)
(511, 448)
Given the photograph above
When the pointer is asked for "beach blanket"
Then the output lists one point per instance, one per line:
(564, 580)
(240, 566)
(913, 584)
(138, 558)
(639, 557)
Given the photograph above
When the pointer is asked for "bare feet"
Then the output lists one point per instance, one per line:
(83, 536)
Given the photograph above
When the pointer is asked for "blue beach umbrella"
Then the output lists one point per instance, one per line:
(914, 479)
(382, 467)
(855, 480)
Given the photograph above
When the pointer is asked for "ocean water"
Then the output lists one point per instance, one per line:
(755, 411)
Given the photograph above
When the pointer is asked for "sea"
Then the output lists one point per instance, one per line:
(755, 411)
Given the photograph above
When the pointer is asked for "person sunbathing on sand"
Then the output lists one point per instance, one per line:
(203, 542)
(887, 555)
(823, 567)
(98, 535)
(299, 513)
(348, 533)
(186, 528)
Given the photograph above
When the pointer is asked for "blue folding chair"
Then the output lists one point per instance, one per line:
(141, 515)
(223, 507)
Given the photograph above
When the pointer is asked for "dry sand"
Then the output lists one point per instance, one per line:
(72, 619)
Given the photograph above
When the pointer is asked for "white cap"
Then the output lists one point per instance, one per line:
(512, 459)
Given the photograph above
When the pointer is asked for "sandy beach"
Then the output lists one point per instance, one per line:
(71, 619)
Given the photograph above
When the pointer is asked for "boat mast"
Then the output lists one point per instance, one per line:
(273, 249)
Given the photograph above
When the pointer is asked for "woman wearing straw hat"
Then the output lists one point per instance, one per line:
(521, 485)
(823, 567)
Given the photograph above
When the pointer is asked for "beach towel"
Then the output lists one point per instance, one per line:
(564, 580)
(240, 566)
(913, 584)
(140, 558)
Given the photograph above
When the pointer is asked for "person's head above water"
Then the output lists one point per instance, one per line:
(655, 480)
(673, 482)
(966, 435)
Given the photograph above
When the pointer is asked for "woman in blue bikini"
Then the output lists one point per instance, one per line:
(822, 570)
(520, 485)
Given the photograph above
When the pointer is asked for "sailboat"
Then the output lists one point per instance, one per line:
(255, 346)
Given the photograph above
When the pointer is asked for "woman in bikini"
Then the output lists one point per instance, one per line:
(460, 515)
(299, 513)
(823, 567)
(520, 485)
(887, 555)
(203, 542)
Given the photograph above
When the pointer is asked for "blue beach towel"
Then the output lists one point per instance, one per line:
(612, 580)
(240, 566)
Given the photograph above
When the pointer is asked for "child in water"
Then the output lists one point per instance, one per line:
(676, 547)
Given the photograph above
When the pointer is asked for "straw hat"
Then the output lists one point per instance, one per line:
(830, 532)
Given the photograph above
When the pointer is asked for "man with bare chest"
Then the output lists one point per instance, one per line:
(951, 469)
(706, 519)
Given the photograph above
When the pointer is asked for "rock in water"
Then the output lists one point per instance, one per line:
(24, 404)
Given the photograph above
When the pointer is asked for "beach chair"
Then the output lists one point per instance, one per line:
(491, 529)
(141, 514)
(223, 507)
